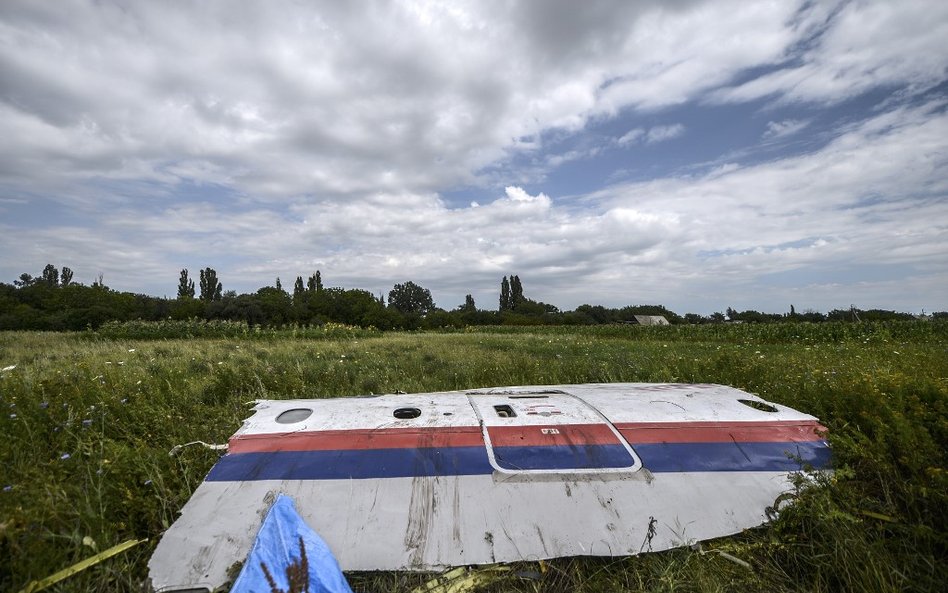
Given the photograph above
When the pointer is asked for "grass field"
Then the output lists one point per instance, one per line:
(88, 419)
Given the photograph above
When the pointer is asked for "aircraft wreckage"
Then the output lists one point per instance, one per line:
(435, 480)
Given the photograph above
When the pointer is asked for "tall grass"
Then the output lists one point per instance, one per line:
(88, 421)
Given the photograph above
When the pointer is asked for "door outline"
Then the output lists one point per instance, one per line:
(605, 471)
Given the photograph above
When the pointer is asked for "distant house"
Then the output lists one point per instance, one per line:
(650, 320)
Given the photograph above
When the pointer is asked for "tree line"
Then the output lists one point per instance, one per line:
(54, 301)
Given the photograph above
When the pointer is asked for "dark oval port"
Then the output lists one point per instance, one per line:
(294, 415)
(762, 406)
(406, 413)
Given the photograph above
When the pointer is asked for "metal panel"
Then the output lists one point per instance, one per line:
(549, 433)
(442, 489)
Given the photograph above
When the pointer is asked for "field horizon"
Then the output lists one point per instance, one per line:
(90, 418)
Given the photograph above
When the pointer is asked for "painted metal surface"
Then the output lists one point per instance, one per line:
(428, 481)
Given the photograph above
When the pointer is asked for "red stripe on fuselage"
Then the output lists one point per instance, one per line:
(552, 435)
(720, 432)
(531, 436)
(377, 438)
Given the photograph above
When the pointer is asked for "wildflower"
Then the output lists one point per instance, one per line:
(147, 482)
(44, 405)
(124, 400)
(86, 423)
(131, 350)
(108, 362)
(7, 488)
(9, 368)
(64, 456)
(12, 416)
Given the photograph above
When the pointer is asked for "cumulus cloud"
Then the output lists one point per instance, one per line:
(787, 127)
(845, 49)
(273, 138)
(670, 240)
(819, 207)
(631, 137)
(652, 135)
(662, 133)
(289, 100)
(280, 100)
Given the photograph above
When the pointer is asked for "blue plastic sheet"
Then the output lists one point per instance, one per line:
(278, 548)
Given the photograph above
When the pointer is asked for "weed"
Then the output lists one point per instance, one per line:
(88, 420)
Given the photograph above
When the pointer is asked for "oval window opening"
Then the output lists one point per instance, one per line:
(406, 413)
(294, 415)
(762, 406)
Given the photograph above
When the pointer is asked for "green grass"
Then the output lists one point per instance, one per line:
(114, 403)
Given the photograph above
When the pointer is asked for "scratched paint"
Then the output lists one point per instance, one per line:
(495, 475)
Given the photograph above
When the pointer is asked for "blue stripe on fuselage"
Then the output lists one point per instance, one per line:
(451, 461)
(578, 457)
(732, 457)
(352, 463)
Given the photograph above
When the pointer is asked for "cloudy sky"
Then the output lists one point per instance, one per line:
(696, 154)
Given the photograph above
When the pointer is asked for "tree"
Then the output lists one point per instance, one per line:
(185, 285)
(315, 283)
(24, 280)
(278, 285)
(65, 279)
(410, 298)
(50, 275)
(298, 291)
(275, 305)
(505, 295)
(211, 288)
(516, 292)
(694, 318)
(468, 305)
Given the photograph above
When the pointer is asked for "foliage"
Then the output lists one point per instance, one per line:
(52, 301)
(505, 301)
(197, 328)
(315, 282)
(211, 288)
(409, 298)
(89, 419)
(185, 286)
(516, 292)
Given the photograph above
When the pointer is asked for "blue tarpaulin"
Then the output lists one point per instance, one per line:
(287, 549)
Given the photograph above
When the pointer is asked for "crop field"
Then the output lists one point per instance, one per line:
(88, 420)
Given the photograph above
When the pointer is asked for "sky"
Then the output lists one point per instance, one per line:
(695, 154)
